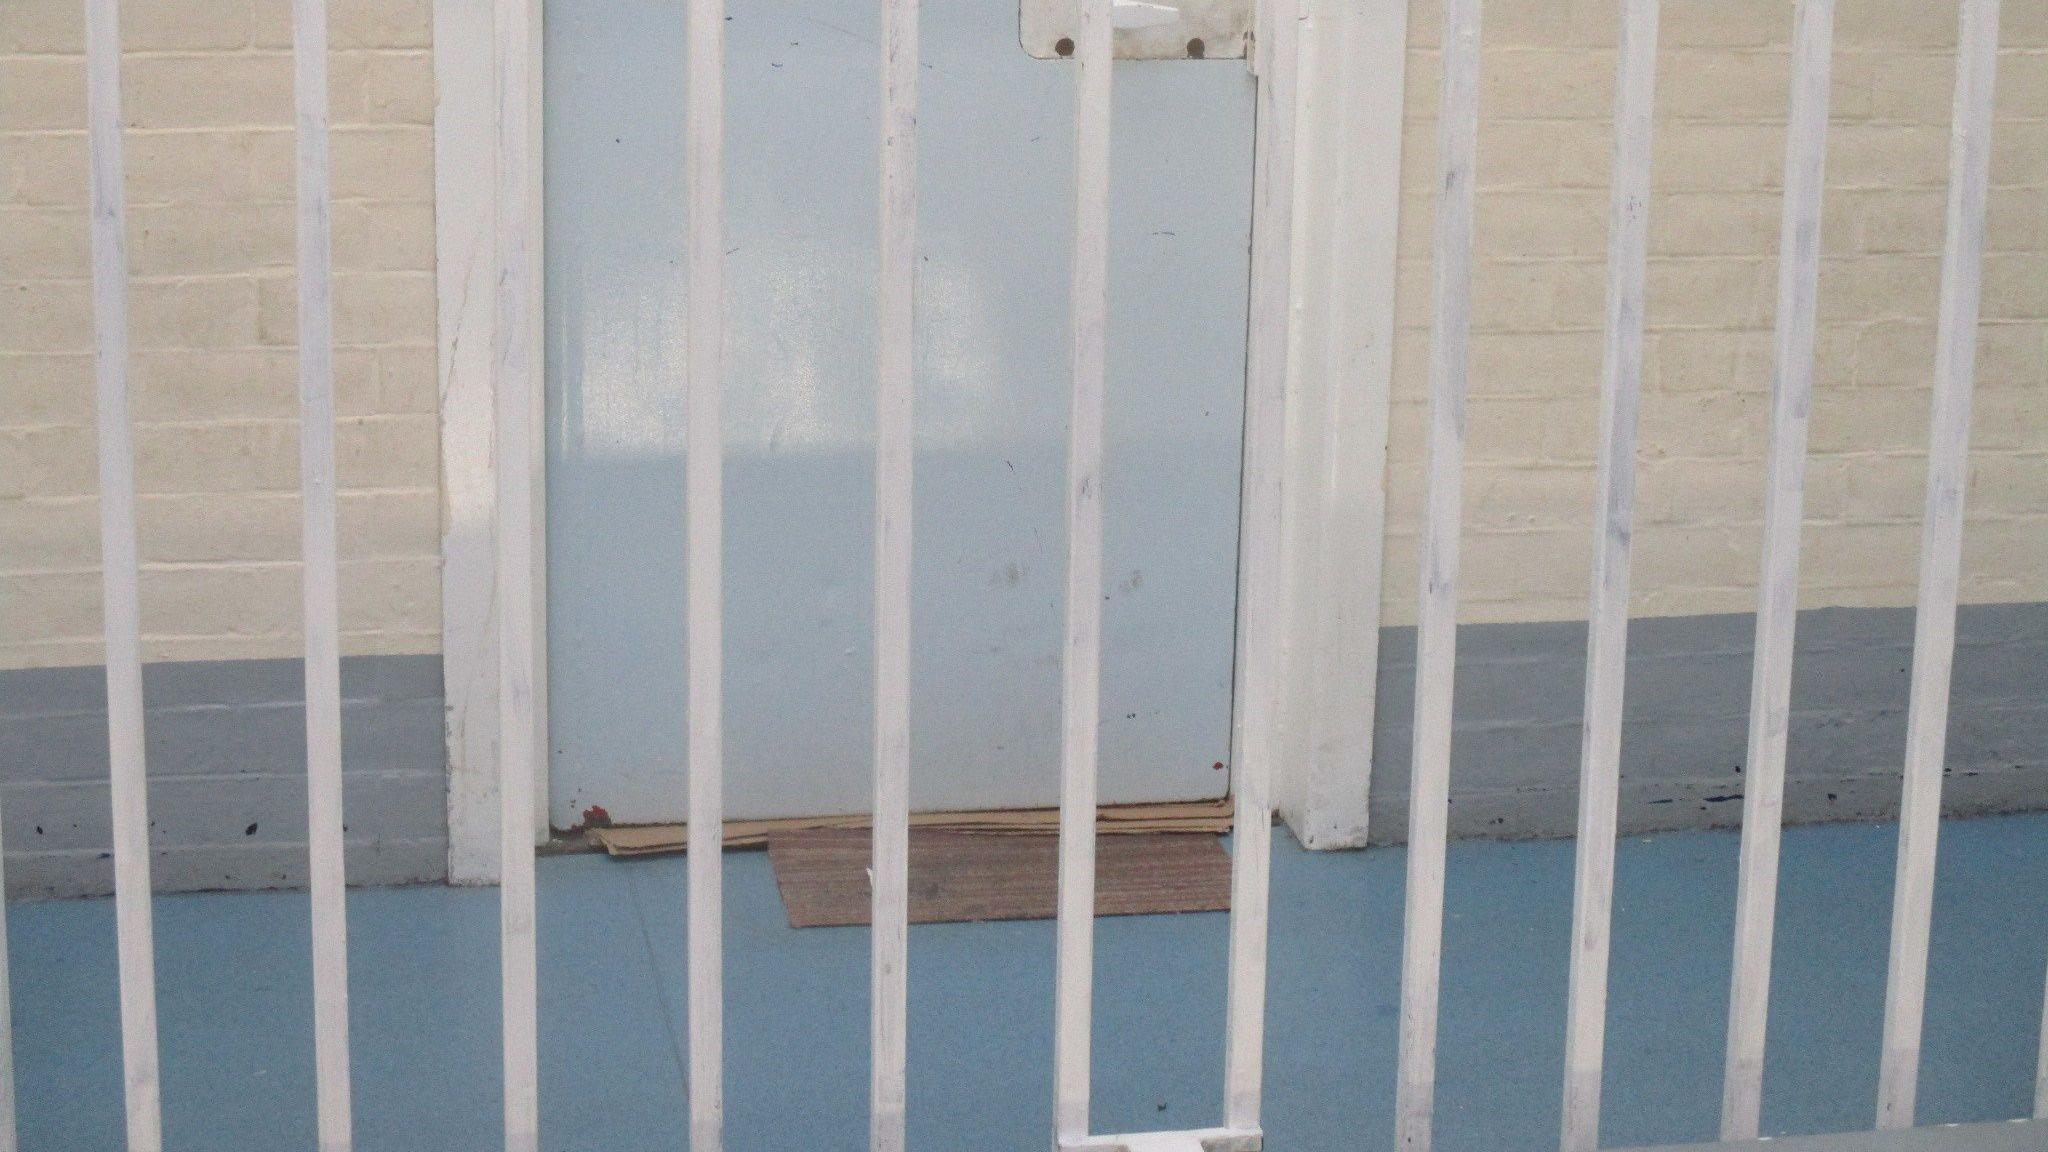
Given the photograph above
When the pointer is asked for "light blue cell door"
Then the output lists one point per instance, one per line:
(995, 232)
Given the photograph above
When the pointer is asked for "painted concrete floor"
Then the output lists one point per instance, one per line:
(235, 998)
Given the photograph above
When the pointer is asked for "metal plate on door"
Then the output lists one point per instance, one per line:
(1145, 29)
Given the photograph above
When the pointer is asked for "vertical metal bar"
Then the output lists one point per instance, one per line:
(1437, 639)
(1621, 377)
(704, 177)
(894, 447)
(1081, 665)
(1770, 700)
(327, 861)
(1255, 728)
(1941, 552)
(120, 575)
(536, 392)
(2041, 1063)
(516, 744)
(9, 1141)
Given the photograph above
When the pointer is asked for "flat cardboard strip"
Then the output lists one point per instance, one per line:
(1210, 816)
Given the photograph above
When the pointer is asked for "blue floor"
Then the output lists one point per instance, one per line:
(233, 982)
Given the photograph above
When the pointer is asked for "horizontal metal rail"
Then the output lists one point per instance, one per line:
(2011, 1136)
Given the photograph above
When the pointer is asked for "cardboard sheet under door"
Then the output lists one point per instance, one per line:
(967, 876)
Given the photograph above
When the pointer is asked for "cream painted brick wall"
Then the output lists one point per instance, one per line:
(208, 106)
(1544, 158)
(210, 187)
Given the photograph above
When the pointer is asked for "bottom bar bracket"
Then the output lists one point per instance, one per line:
(1192, 1140)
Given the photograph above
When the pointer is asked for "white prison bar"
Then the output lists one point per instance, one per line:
(517, 34)
(2041, 1063)
(894, 391)
(119, 579)
(704, 512)
(1770, 698)
(534, 179)
(1621, 376)
(8, 1138)
(1437, 636)
(327, 870)
(1941, 554)
(1255, 730)
(1081, 661)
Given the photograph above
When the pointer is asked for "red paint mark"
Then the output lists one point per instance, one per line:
(596, 817)
(1219, 766)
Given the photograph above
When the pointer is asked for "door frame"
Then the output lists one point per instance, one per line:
(1340, 369)
(465, 241)
(1351, 87)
